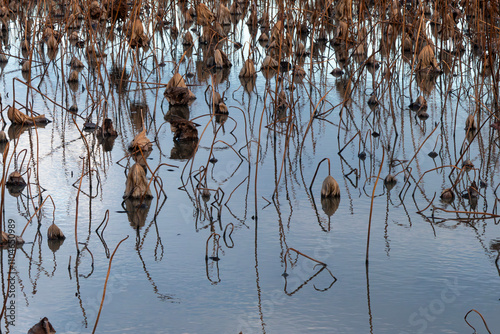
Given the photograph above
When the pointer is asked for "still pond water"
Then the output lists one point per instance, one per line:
(426, 270)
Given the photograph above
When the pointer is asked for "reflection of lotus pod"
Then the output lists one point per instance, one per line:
(15, 179)
(206, 35)
(15, 184)
(263, 38)
(390, 181)
(282, 101)
(467, 165)
(426, 82)
(184, 149)
(26, 68)
(55, 244)
(25, 45)
(218, 104)
(174, 32)
(470, 135)
(495, 245)
(3, 137)
(473, 203)
(177, 111)
(216, 99)
(221, 118)
(137, 211)
(3, 146)
(419, 104)
(205, 195)
(407, 45)
(73, 108)
(330, 187)
(73, 85)
(137, 185)
(330, 204)
(73, 77)
(269, 73)
(55, 233)
(108, 143)
(107, 129)
(371, 61)
(44, 326)
(471, 192)
(248, 83)
(221, 75)
(422, 114)
(373, 101)
(15, 190)
(448, 195)
(16, 130)
(470, 123)
(183, 129)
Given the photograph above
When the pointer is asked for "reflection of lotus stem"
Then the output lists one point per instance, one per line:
(229, 235)
(216, 240)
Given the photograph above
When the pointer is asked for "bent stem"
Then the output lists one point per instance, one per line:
(371, 207)
(482, 318)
